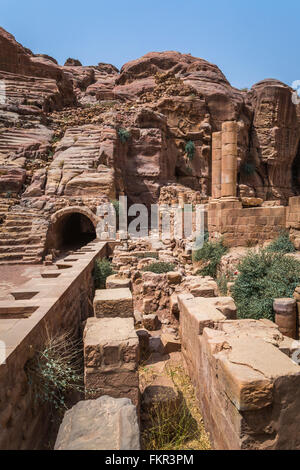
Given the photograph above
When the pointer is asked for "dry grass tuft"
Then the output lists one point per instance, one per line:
(176, 426)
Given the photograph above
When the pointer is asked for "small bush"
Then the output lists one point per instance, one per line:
(211, 252)
(190, 149)
(159, 267)
(55, 371)
(124, 135)
(282, 244)
(263, 277)
(102, 270)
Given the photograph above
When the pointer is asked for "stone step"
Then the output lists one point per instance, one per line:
(11, 256)
(20, 261)
(13, 241)
(18, 241)
(20, 216)
(20, 249)
(18, 223)
(15, 229)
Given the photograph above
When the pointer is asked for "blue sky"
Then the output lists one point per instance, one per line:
(248, 40)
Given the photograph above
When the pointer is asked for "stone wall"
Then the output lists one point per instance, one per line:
(59, 301)
(246, 383)
(293, 220)
(244, 226)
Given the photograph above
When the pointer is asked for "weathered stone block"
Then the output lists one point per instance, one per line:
(113, 303)
(102, 424)
(116, 282)
(144, 337)
(170, 344)
(111, 355)
(151, 322)
(174, 278)
(226, 306)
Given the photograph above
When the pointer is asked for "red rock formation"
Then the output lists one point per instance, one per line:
(165, 100)
(15, 59)
(274, 139)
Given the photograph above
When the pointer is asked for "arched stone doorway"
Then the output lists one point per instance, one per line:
(71, 228)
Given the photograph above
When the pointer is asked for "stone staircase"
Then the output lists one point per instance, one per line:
(5, 205)
(22, 237)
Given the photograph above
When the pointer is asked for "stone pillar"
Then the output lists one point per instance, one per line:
(111, 357)
(285, 316)
(229, 159)
(216, 165)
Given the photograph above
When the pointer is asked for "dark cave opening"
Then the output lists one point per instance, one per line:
(71, 232)
(296, 173)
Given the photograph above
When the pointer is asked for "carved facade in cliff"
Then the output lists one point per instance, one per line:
(60, 140)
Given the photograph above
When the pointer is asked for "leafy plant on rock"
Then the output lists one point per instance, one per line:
(263, 277)
(102, 270)
(124, 135)
(282, 244)
(116, 205)
(212, 252)
(190, 150)
(56, 370)
(159, 267)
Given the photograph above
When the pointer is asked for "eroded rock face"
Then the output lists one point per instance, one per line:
(274, 141)
(62, 126)
(15, 59)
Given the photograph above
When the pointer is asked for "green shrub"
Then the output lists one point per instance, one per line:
(211, 252)
(102, 270)
(56, 370)
(159, 267)
(124, 135)
(116, 205)
(282, 244)
(264, 276)
(190, 149)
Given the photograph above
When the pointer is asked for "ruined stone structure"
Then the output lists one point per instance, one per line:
(167, 128)
(58, 299)
(246, 383)
(111, 347)
(53, 157)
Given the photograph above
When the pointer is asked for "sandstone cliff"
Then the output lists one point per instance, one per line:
(80, 134)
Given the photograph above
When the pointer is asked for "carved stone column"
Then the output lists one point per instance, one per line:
(229, 159)
(216, 170)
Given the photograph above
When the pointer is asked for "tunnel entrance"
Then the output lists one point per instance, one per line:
(71, 231)
(296, 173)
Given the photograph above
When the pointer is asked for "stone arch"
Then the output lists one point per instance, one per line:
(75, 209)
(71, 227)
